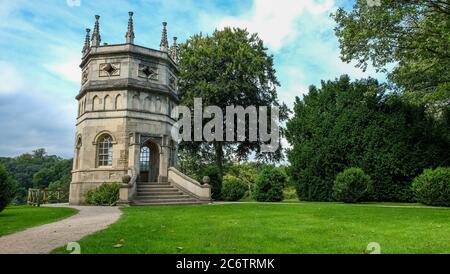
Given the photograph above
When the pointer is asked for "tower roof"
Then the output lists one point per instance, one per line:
(93, 45)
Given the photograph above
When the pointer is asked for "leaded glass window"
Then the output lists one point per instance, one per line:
(104, 151)
(144, 162)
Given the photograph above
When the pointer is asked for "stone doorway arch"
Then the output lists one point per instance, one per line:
(149, 162)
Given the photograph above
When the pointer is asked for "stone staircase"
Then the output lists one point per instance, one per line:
(161, 194)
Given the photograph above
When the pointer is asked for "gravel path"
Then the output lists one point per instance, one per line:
(45, 238)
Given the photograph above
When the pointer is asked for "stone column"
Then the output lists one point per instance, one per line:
(134, 150)
(164, 155)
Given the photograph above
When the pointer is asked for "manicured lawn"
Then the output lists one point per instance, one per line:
(273, 228)
(17, 218)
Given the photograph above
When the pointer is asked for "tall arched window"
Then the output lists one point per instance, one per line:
(104, 151)
(77, 156)
(96, 104)
(118, 102)
(144, 162)
(108, 105)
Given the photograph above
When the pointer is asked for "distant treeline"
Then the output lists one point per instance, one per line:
(38, 170)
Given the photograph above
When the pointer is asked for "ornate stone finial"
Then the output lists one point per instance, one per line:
(87, 42)
(174, 50)
(96, 38)
(206, 180)
(164, 46)
(130, 33)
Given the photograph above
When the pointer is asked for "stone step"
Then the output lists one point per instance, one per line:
(152, 183)
(163, 203)
(166, 200)
(153, 186)
(156, 192)
(162, 197)
(161, 194)
(174, 193)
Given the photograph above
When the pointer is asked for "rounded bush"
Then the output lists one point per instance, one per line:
(432, 187)
(7, 188)
(269, 185)
(352, 186)
(105, 195)
(233, 189)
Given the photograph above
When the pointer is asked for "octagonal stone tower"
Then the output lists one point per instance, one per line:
(124, 104)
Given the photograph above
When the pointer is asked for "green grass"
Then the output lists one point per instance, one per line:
(273, 228)
(17, 218)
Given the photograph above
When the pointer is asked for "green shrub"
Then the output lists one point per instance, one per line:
(105, 195)
(352, 186)
(233, 189)
(432, 187)
(289, 193)
(7, 188)
(345, 124)
(269, 185)
(215, 181)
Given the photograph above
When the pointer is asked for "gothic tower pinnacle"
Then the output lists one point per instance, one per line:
(174, 50)
(96, 38)
(164, 46)
(87, 42)
(130, 33)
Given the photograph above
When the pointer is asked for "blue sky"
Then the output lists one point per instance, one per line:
(41, 42)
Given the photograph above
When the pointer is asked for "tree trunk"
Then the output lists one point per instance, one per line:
(219, 159)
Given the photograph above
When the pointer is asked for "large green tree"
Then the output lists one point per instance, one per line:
(357, 124)
(409, 39)
(229, 68)
(57, 174)
(7, 188)
(24, 167)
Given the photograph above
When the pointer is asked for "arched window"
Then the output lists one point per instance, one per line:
(96, 105)
(158, 105)
(135, 102)
(108, 105)
(147, 103)
(118, 102)
(77, 156)
(104, 151)
(144, 162)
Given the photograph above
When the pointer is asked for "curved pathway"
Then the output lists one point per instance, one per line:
(43, 239)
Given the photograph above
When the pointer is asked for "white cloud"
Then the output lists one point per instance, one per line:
(67, 68)
(73, 3)
(10, 78)
(276, 21)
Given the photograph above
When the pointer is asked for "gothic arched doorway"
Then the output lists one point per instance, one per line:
(149, 162)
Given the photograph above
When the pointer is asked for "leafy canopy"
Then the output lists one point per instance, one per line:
(230, 67)
(408, 39)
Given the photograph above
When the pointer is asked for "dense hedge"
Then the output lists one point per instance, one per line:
(105, 195)
(345, 124)
(352, 186)
(7, 188)
(432, 187)
(233, 189)
(269, 185)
